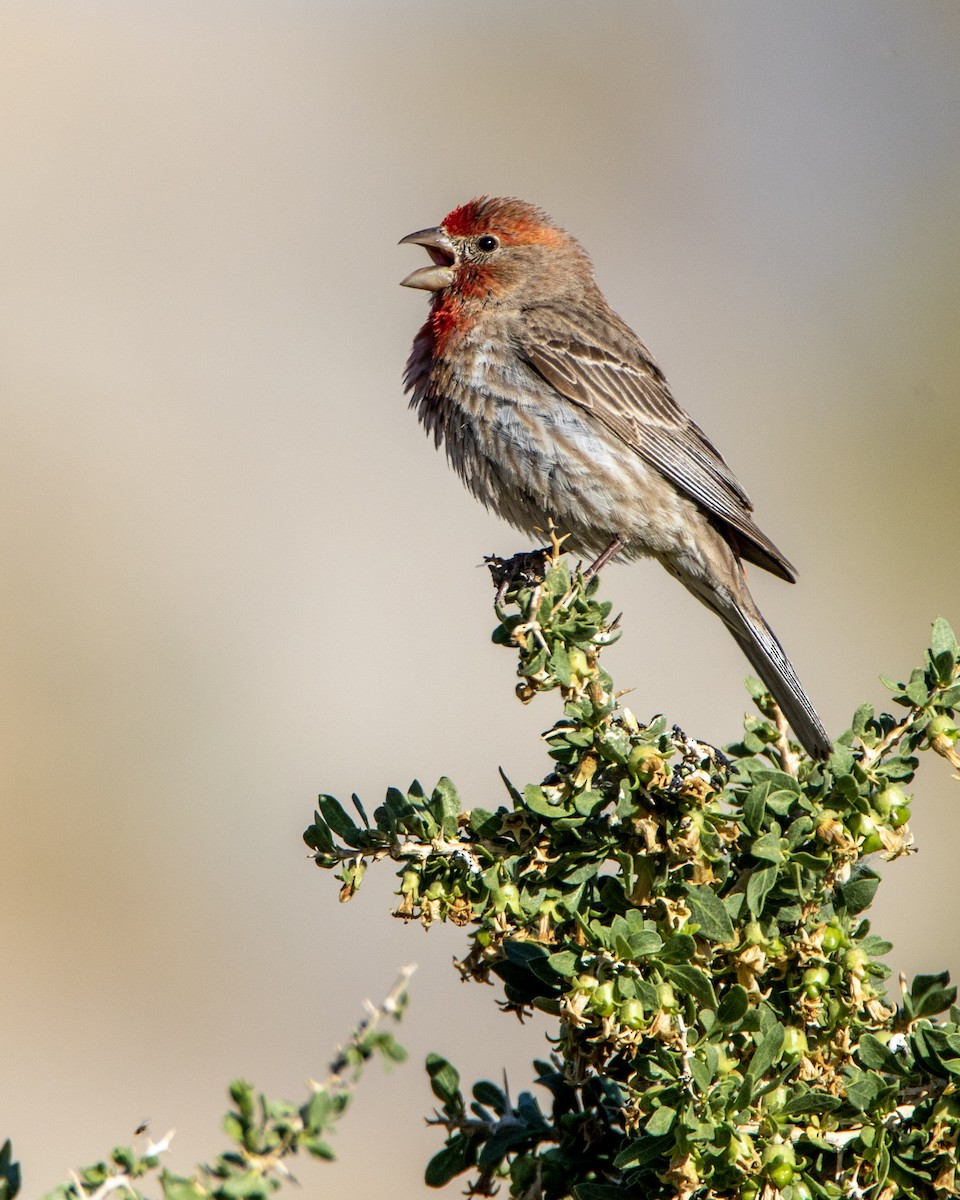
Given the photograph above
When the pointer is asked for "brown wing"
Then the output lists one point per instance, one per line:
(605, 369)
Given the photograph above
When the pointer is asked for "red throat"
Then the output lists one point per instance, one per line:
(446, 317)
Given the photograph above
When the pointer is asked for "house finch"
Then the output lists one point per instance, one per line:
(549, 406)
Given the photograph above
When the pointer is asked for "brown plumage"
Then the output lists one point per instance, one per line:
(549, 406)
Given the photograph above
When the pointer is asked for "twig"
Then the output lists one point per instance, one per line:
(388, 1007)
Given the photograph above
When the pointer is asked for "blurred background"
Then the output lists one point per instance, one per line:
(235, 573)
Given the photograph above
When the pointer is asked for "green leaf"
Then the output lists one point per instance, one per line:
(445, 803)
(701, 1073)
(811, 1104)
(318, 1111)
(861, 718)
(859, 891)
(318, 836)
(490, 1096)
(560, 664)
(733, 1005)
(251, 1185)
(876, 946)
(929, 995)
(875, 1056)
(781, 801)
(754, 807)
(768, 848)
(777, 781)
(448, 1163)
(536, 801)
(645, 942)
(444, 1080)
(943, 639)
(944, 667)
(680, 948)
(767, 1051)
(589, 802)
(640, 1151)
(841, 760)
(565, 963)
(758, 888)
(177, 1187)
(9, 1172)
(917, 691)
(661, 1121)
(499, 1144)
(337, 819)
(863, 1090)
(692, 980)
(484, 823)
(355, 799)
(523, 953)
(707, 910)
(318, 1148)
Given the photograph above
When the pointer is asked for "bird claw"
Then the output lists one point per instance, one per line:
(526, 569)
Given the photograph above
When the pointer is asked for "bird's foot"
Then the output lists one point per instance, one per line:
(526, 569)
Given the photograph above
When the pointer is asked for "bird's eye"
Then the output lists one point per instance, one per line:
(487, 243)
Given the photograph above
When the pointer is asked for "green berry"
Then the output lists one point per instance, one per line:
(631, 1014)
(794, 1043)
(864, 827)
(780, 1174)
(899, 815)
(832, 939)
(602, 1001)
(942, 727)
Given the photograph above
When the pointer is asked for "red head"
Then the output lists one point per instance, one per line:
(515, 222)
(493, 246)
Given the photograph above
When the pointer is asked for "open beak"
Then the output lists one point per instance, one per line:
(444, 256)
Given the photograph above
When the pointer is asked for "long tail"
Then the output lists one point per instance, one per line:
(724, 590)
(765, 654)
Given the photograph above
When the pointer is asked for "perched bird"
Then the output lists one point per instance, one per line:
(549, 406)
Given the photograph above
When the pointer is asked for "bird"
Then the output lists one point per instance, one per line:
(550, 408)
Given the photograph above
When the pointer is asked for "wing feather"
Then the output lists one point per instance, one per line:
(611, 374)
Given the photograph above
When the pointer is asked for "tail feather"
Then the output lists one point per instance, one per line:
(765, 654)
(714, 574)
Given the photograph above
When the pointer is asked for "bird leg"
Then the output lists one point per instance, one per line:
(598, 564)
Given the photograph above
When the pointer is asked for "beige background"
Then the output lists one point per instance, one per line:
(234, 572)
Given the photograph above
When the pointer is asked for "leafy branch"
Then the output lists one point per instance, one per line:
(264, 1133)
(694, 920)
